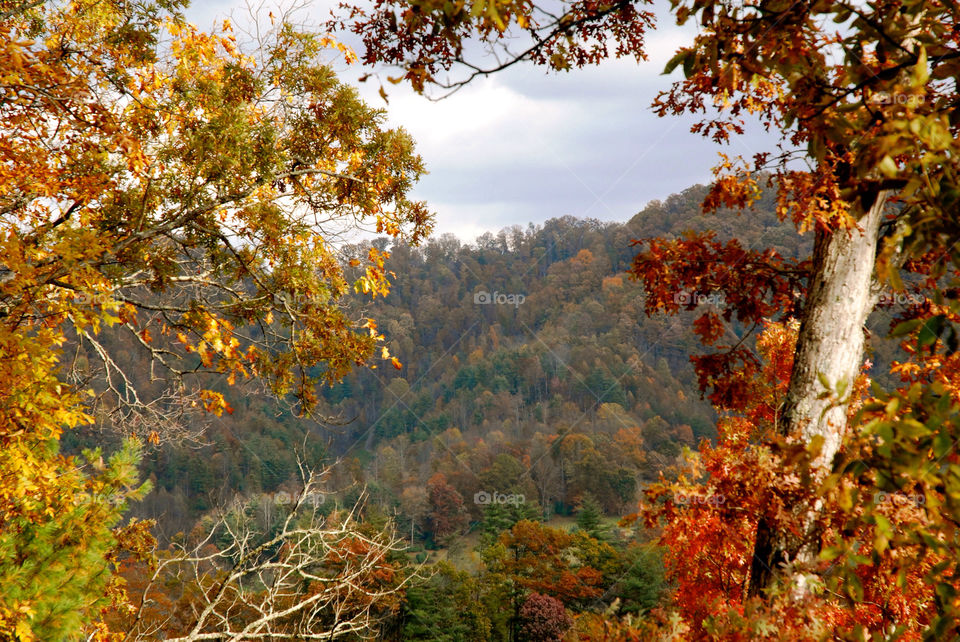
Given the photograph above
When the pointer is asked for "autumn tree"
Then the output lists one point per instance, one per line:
(710, 511)
(543, 618)
(191, 190)
(569, 567)
(430, 42)
(447, 515)
(875, 130)
(865, 95)
(60, 530)
(186, 189)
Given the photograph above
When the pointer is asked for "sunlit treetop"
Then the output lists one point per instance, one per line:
(192, 189)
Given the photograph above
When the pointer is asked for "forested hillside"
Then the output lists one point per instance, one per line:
(485, 389)
(533, 386)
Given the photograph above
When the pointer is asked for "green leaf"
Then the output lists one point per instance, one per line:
(815, 445)
(678, 58)
(913, 428)
(946, 592)
(824, 381)
(906, 327)
(841, 386)
(831, 553)
(854, 588)
(930, 332)
(884, 430)
(888, 167)
(884, 532)
(942, 444)
(477, 8)
(921, 74)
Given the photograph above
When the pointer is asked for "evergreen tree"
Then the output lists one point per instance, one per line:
(590, 518)
(56, 550)
(498, 518)
(643, 582)
(445, 608)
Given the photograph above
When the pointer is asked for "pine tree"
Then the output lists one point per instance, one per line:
(498, 518)
(55, 549)
(590, 518)
(445, 608)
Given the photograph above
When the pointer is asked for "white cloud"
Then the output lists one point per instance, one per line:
(486, 125)
(467, 221)
(526, 145)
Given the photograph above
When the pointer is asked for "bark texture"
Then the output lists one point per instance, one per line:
(829, 346)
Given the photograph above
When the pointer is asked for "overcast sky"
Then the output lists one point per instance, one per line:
(525, 145)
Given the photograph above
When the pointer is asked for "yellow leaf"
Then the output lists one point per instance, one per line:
(888, 167)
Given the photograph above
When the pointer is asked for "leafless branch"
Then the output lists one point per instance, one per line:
(309, 577)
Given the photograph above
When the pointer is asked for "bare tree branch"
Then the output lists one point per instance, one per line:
(309, 577)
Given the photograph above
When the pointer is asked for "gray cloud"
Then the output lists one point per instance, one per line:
(526, 145)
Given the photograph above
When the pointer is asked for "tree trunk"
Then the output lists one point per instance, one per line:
(830, 345)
